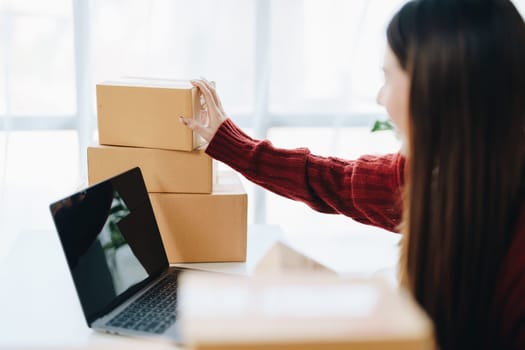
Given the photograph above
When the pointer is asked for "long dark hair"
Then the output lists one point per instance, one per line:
(466, 158)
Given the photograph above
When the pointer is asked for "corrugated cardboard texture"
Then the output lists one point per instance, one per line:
(299, 311)
(204, 227)
(163, 170)
(145, 113)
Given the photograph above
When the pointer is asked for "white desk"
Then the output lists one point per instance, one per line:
(39, 307)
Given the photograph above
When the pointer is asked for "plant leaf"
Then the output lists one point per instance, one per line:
(382, 125)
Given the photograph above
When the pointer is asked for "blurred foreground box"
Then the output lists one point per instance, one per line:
(204, 227)
(299, 311)
(143, 112)
(163, 170)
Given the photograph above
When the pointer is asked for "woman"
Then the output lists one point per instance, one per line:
(455, 89)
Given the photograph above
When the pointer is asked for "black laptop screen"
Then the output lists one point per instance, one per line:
(111, 241)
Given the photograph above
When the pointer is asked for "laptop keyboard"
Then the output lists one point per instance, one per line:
(154, 311)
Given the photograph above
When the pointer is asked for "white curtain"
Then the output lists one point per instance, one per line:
(319, 57)
(276, 63)
(322, 56)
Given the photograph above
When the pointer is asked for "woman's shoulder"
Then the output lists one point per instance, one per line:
(510, 290)
(515, 257)
(513, 273)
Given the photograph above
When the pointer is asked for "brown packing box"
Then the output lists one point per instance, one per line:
(163, 170)
(281, 258)
(143, 112)
(299, 311)
(204, 227)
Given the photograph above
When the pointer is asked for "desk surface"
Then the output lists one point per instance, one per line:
(39, 306)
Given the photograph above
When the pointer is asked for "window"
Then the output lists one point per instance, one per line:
(281, 67)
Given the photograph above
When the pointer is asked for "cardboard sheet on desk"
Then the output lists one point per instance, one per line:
(283, 259)
(267, 255)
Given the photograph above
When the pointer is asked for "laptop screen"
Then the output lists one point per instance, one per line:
(111, 241)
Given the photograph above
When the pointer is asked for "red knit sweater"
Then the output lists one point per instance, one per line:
(368, 190)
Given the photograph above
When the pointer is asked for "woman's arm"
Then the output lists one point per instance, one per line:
(367, 189)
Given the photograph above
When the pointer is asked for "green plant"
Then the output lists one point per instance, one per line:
(382, 125)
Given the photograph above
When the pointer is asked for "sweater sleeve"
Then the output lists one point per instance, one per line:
(367, 189)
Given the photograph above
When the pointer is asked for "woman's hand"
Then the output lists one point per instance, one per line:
(211, 114)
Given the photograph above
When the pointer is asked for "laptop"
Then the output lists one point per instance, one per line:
(116, 257)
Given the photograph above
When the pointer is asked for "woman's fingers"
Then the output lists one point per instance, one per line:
(210, 101)
(210, 117)
(211, 87)
(198, 127)
(204, 118)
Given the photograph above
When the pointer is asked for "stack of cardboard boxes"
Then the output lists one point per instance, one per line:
(202, 215)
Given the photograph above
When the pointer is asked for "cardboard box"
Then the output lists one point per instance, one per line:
(163, 170)
(303, 311)
(204, 227)
(281, 258)
(145, 113)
